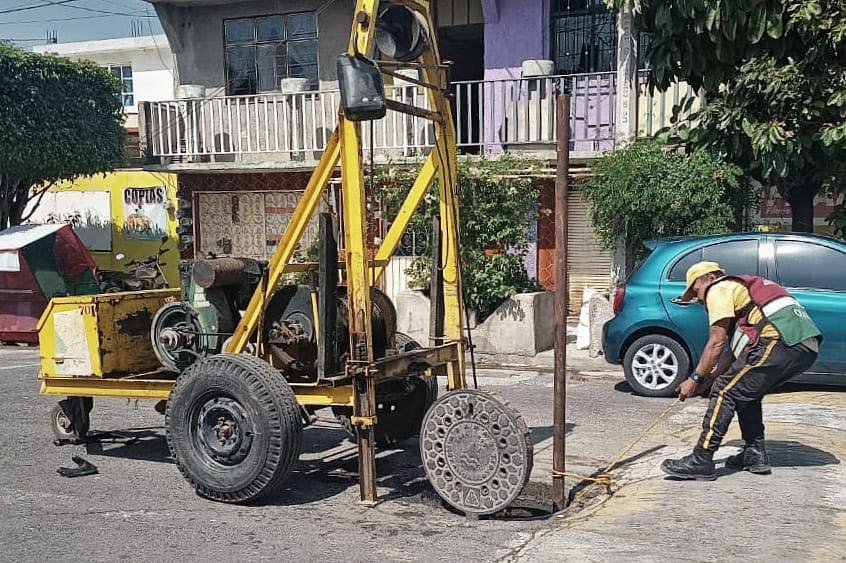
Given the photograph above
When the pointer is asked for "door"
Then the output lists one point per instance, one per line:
(816, 275)
(738, 256)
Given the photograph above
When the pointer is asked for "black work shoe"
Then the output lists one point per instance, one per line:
(753, 459)
(698, 466)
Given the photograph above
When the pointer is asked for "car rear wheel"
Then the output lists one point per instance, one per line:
(655, 365)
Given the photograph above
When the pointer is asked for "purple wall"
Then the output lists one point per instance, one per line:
(515, 30)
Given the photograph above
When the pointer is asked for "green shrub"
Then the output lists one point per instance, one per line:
(498, 206)
(643, 191)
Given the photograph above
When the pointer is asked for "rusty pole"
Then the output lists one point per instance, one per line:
(562, 125)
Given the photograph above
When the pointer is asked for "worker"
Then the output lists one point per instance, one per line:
(773, 340)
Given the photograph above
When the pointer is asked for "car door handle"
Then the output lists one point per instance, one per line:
(681, 302)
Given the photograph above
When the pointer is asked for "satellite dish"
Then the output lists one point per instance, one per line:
(401, 33)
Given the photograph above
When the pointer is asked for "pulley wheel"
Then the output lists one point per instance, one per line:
(476, 451)
(176, 336)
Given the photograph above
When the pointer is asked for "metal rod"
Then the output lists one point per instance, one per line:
(413, 80)
(409, 109)
(559, 492)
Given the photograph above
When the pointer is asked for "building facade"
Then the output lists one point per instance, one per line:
(258, 100)
(144, 65)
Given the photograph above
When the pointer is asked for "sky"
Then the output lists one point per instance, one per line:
(27, 22)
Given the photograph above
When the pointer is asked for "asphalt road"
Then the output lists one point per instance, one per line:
(139, 508)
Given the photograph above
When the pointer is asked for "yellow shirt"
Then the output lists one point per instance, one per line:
(726, 298)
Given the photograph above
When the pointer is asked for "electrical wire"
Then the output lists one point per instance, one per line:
(54, 20)
(109, 12)
(36, 6)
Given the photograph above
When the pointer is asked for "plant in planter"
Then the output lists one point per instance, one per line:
(498, 207)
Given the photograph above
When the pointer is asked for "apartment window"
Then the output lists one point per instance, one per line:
(261, 51)
(124, 74)
(584, 36)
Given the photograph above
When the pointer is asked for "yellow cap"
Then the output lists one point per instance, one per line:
(695, 272)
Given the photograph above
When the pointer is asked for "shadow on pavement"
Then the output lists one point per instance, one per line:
(399, 468)
(623, 387)
(795, 387)
(142, 444)
(541, 433)
(790, 453)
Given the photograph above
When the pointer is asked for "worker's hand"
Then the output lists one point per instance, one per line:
(687, 389)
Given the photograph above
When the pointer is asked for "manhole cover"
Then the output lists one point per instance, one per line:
(476, 451)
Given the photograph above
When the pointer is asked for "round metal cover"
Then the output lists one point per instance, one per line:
(476, 451)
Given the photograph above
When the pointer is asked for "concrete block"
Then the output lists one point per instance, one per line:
(523, 326)
(413, 315)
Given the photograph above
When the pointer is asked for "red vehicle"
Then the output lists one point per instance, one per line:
(37, 263)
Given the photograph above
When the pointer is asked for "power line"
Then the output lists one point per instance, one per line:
(44, 20)
(134, 15)
(55, 20)
(36, 6)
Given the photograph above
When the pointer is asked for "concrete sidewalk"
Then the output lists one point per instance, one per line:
(797, 513)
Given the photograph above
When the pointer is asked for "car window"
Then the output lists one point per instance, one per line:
(679, 269)
(735, 257)
(804, 264)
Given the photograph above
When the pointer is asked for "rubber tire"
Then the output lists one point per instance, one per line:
(276, 419)
(391, 429)
(77, 430)
(681, 355)
(60, 432)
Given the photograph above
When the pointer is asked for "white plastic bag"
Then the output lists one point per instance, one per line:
(583, 329)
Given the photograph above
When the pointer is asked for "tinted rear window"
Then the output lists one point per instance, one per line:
(734, 256)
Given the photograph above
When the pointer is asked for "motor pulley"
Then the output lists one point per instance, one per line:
(401, 33)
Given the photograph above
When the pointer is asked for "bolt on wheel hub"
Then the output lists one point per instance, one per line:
(224, 430)
(476, 451)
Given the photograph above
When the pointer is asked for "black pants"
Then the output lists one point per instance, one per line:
(759, 370)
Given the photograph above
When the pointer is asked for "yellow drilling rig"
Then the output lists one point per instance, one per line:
(243, 359)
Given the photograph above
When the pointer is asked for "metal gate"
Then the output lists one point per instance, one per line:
(584, 35)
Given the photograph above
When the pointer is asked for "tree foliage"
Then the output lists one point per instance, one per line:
(643, 191)
(498, 207)
(59, 119)
(774, 74)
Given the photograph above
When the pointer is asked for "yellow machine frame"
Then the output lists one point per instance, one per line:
(345, 148)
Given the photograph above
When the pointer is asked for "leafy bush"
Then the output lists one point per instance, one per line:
(643, 191)
(59, 119)
(497, 209)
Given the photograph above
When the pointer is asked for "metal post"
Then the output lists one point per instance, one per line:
(559, 492)
(436, 292)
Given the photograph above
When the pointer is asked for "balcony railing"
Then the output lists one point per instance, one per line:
(656, 109)
(495, 115)
(490, 116)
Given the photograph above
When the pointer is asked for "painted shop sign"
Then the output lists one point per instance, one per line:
(145, 213)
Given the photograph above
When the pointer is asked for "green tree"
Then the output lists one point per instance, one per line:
(774, 74)
(59, 119)
(643, 191)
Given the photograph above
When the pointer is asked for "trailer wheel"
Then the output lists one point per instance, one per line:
(69, 419)
(400, 405)
(233, 427)
(61, 424)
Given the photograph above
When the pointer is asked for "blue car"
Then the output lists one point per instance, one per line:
(658, 339)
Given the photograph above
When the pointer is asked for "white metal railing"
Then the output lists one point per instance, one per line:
(292, 124)
(513, 112)
(490, 115)
(656, 110)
